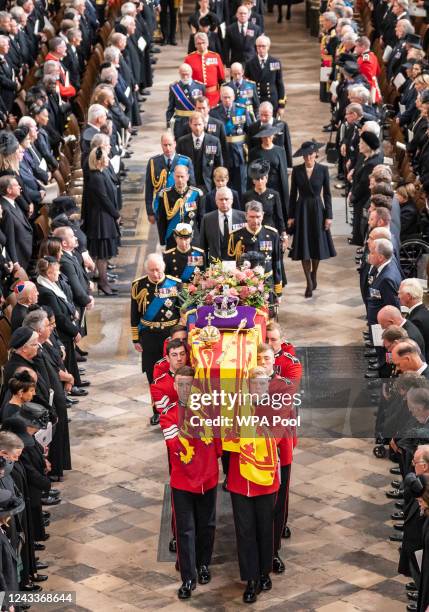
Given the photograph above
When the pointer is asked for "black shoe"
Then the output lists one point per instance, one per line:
(370, 353)
(154, 419)
(399, 505)
(396, 537)
(54, 492)
(172, 546)
(397, 516)
(186, 589)
(71, 402)
(374, 384)
(253, 588)
(46, 523)
(398, 526)
(395, 470)
(359, 251)
(84, 383)
(413, 595)
(308, 292)
(39, 578)
(41, 565)
(373, 366)
(76, 392)
(173, 42)
(80, 351)
(225, 484)
(286, 532)
(38, 546)
(396, 484)
(50, 501)
(329, 128)
(46, 514)
(82, 370)
(278, 565)
(204, 575)
(265, 582)
(411, 586)
(394, 494)
(31, 587)
(412, 606)
(81, 358)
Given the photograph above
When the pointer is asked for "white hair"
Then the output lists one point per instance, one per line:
(201, 35)
(413, 287)
(95, 111)
(111, 54)
(371, 126)
(265, 39)
(128, 8)
(266, 105)
(155, 257)
(26, 121)
(383, 247)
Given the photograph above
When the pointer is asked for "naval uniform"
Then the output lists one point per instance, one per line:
(174, 208)
(160, 174)
(194, 474)
(183, 265)
(246, 93)
(181, 104)
(265, 240)
(268, 77)
(154, 310)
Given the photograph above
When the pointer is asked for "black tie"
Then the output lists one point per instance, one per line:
(225, 237)
(262, 64)
(242, 30)
(169, 164)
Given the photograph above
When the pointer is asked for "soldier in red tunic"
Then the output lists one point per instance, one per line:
(369, 67)
(194, 474)
(162, 389)
(287, 363)
(280, 386)
(207, 67)
(178, 332)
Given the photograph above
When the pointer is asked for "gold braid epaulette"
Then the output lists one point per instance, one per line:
(170, 211)
(140, 297)
(237, 250)
(161, 182)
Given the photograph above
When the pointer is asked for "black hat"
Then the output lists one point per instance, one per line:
(34, 415)
(63, 204)
(307, 148)
(208, 21)
(269, 130)
(20, 337)
(259, 168)
(351, 67)
(414, 40)
(345, 57)
(424, 96)
(407, 65)
(371, 140)
(61, 221)
(8, 143)
(10, 504)
(21, 133)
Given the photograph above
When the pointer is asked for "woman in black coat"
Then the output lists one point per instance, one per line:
(310, 214)
(101, 222)
(273, 215)
(409, 213)
(369, 148)
(423, 501)
(276, 156)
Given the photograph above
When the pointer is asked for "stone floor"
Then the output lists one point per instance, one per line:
(108, 537)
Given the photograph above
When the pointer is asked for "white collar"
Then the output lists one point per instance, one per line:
(45, 282)
(11, 202)
(422, 368)
(380, 268)
(415, 306)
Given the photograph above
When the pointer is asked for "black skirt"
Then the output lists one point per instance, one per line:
(103, 248)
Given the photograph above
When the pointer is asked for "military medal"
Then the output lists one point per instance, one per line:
(168, 314)
(168, 303)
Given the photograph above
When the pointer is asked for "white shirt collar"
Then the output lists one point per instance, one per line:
(422, 368)
(415, 306)
(380, 268)
(12, 202)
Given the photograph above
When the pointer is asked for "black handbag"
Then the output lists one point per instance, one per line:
(331, 150)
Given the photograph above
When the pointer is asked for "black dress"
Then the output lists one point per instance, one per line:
(423, 601)
(277, 177)
(101, 213)
(270, 200)
(306, 206)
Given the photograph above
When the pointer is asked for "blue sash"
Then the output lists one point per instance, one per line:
(181, 214)
(230, 126)
(181, 161)
(189, 270)
(181, 97)
(157, 303)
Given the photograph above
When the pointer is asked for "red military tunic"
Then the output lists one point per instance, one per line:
(288, 365)
(163, 392)
(66, 88)
(161, 367)
(280, 385)
(194, 469)
(370, 68)
(238, 484)
(208, 69)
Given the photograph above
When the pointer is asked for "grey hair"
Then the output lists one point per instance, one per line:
(413, 287)
(330, 16)
(154, 257)
(224, 190)
(26, 121)
(383, 247)
(201, 35)
(49, 67)
(99, 140)
(95, 111)
(407, 25)
(111, 53)
(371, 126)
(255, 206)
(267, 105)
(34, 319)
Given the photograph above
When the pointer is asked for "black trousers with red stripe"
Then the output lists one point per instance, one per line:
(195, 517)
(253, 519)
(282, 507)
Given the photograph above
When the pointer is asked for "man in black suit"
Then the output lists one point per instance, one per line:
(406, 356)
(216, 226)
(203, 149)
(266, 119)
(73, 270)
(14, 223)
(266, 71)
(97, 117)
(390, 315)
(240, 38)
(8, 82)
(212, 126)
(71, 60)
(26, 296)
(411, 296)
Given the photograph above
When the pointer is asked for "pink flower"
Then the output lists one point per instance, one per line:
(249, 274)
(233, 291)
(239, 275)
(191, 288)
(244, 293)
(252, 290)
